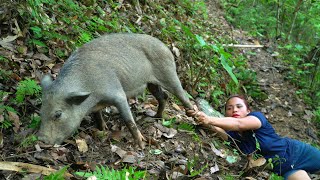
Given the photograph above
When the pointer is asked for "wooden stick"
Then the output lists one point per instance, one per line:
(243, 45)
(25, 167)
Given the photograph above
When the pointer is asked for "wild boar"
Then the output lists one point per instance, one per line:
(107, 71)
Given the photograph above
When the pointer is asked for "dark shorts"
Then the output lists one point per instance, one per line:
(305, 157)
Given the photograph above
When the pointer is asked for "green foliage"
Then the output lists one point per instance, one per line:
(4, 109)
(228, 177)
(248, 16)
(274, 176)
(169, 122)
(317, 115)
(74, 23)
(105, 173)
(190, 129)
(271, 165)
(59, 175)
(35, 121)
(304, 73)
(26, 88)
(294, 24)
(4, 74)
(5, 124)
(191, 164)
(28, 141)
(186, 127)
(213, 56)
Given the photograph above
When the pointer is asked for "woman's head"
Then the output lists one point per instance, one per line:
(237, 106)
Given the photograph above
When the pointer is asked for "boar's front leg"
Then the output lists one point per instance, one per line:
(125, 112)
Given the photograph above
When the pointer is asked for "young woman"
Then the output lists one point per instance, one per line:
(291, 158)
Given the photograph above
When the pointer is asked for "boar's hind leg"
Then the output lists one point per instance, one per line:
(98, 116)
(124, 109)
(161, 97)
(174, 87)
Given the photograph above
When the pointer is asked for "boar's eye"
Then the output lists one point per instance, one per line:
(57, 115)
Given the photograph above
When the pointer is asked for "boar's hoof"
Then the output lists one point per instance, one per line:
(192, 112)
(140, 140)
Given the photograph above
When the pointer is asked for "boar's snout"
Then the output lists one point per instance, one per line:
(48, 139)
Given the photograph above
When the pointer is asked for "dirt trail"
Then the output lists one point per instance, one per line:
(284, 109)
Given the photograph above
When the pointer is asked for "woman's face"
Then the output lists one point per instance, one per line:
(236, 108)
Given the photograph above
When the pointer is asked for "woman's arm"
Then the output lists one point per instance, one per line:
(221, 133)
(230, 123)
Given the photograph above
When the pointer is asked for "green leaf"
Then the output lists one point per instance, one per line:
(201, 41)
(215, 48)
(37, 31)
(298, 47)
(188, 31)
(231, 159)
(155, 151)
(168, 123)
(59, 175)
(226, 66)
(37, 42)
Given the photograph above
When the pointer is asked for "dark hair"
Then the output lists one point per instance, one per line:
(238, 96)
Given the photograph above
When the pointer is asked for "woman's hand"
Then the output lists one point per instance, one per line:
(202, 118)
(192, 112)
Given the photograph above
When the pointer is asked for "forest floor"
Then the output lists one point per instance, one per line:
(173, 154)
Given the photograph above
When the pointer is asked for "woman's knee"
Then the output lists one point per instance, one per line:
(299, 175)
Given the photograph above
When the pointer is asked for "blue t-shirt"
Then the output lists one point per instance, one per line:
(271, 144)
(288, 155)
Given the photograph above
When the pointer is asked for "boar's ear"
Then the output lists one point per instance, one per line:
(77, 97)
(46, 81)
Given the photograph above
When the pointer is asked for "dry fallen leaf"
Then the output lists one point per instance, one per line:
(118, 151)
(60, 153)
(82, 145)
(167, 132)
(175, 50)
(1, 140)
(1, 118)
(150, 112)
(216, 151)
(41, 57)
(176, 107)
(250, 178)
(116, 135)
(255, 163)
(126, 156)
(15, 119)
(6, 42)
(214, 169)
(172, 132)
(129, 158)
(92, 178)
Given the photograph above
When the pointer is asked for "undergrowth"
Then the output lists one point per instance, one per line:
(292, 28)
